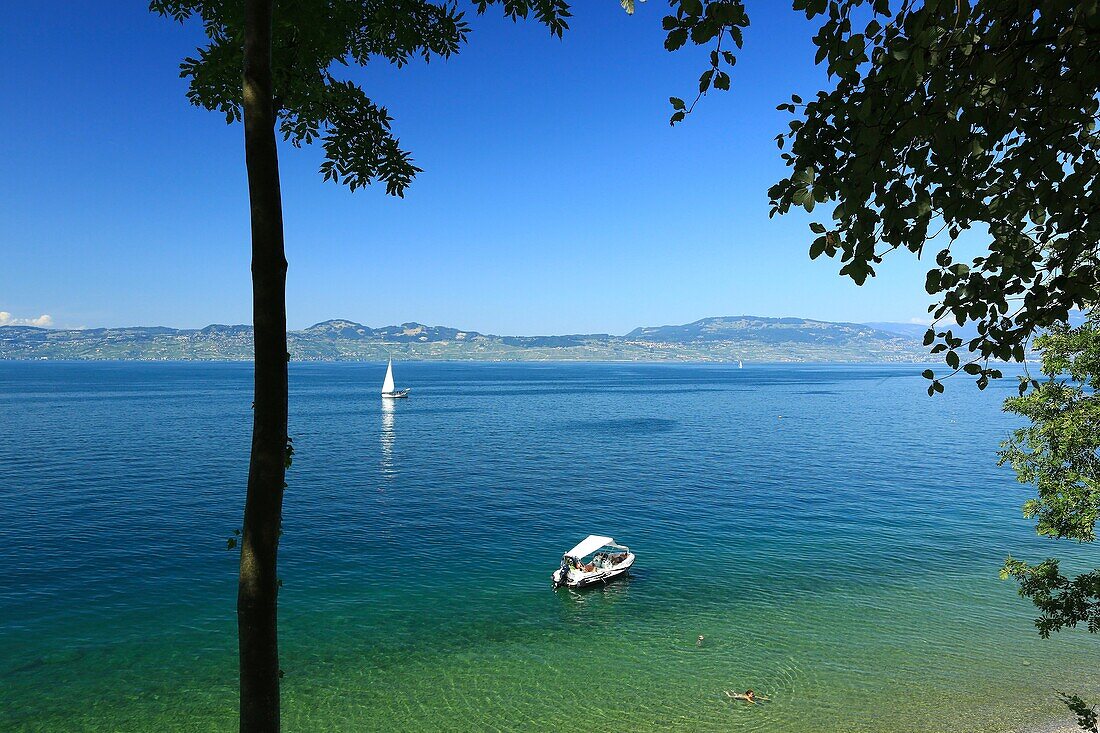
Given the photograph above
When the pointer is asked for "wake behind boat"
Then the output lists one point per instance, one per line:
(388, 387)
(608, 561)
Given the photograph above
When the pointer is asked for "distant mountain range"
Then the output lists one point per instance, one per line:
(912, 330)
(729, 338)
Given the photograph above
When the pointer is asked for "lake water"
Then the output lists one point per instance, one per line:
(832, 532)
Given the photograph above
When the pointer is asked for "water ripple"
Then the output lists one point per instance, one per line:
(832, 533)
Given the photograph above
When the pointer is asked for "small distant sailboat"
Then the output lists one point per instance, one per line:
(740, 364)
(387, 385)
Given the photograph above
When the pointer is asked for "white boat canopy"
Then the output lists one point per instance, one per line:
(590, 544)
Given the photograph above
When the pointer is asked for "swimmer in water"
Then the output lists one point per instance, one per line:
(699, 641)
(747, 696)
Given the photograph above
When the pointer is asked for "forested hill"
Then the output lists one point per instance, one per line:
(729, 338)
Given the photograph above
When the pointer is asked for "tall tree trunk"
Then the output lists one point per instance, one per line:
(258, 584)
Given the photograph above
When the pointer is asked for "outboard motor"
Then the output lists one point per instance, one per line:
(564, 574)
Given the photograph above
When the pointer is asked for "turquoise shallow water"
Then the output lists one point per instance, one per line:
(833, 533)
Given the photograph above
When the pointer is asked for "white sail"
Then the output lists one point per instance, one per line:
(387, 385)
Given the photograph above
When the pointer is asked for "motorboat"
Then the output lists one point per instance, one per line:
(388, 387)
(595, 559)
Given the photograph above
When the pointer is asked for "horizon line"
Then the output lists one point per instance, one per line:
(871, 324)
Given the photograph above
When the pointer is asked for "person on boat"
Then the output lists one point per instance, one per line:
(748, 696)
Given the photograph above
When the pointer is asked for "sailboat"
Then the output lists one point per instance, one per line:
(387, 384)
(740, 364)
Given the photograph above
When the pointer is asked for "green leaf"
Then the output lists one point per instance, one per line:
(675, 39)
(704, 80)
(932, 282)
(692, 7)
(817, 248)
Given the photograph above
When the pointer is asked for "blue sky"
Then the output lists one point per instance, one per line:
(555, 197)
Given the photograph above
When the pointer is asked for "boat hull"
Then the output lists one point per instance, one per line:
(599, 577)
(395, 395)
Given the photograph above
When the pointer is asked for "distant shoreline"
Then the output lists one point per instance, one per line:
(382, 360)
(725, 339)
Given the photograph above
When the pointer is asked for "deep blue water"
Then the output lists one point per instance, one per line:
(833, 532)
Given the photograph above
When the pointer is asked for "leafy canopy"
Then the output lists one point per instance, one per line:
(945, 116)
(311, 41)
(1087, 718)
(1059, 452)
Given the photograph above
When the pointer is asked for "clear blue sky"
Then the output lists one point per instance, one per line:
(555, 197)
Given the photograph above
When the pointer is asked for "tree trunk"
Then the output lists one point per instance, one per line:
(257, 590)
